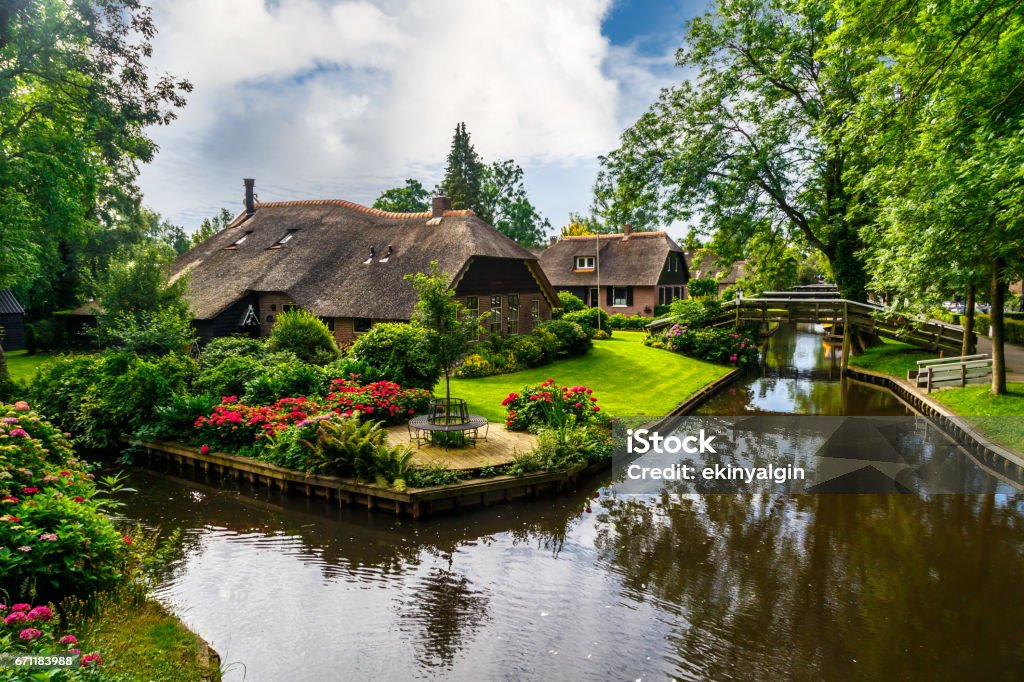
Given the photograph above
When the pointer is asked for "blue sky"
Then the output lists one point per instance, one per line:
(345, 98)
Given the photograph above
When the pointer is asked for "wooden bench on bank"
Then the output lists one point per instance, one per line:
(954, 371)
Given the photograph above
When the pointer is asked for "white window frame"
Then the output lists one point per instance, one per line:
(616, 299)
(582, 262)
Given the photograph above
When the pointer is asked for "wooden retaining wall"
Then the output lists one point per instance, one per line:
(415, 502)
(999, 458)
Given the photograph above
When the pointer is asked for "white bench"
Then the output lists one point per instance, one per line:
(953, 371)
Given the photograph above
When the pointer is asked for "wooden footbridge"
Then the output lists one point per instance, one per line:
(822, 304)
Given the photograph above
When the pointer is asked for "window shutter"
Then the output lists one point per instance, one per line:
(610, 289)
(629, 295)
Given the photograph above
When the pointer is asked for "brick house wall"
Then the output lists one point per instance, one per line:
(524, 320)
(271, 305)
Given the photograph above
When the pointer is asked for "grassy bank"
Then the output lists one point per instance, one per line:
(891, 357)
(992, 413)
(627, 377)
(22, 366)
(141, 641)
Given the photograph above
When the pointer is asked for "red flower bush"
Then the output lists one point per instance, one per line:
(381, 400)
(532, 405)
(234, 425)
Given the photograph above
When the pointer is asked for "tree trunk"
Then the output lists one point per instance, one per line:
(447, 389)
(968, 347)
(998, 355)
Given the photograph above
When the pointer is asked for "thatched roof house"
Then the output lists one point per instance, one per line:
(629, 273)
(346, 263)
(704, 264)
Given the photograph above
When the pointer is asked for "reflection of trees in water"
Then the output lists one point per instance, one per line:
(845, 586)
(441, 612)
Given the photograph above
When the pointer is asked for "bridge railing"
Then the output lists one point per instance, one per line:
(792, 307)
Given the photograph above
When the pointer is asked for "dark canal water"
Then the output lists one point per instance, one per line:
(723, 587)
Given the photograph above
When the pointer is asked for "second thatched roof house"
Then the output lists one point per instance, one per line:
(346, 263)
(628, 273)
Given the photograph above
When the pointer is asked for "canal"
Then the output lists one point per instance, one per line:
(590, 586)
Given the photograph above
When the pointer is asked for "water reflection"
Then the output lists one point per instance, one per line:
(800, 375)
(724, 587)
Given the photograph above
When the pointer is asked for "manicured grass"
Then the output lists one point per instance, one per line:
(627, 377)
(990, 412)
(891, 357)
(143, 642)
(22, 366)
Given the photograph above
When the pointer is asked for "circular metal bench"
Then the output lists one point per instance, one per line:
(421, 428)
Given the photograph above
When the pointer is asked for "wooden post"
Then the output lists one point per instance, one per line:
(963, 375)
(846, 338)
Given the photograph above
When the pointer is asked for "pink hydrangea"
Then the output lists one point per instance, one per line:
(48, 537)
(68, 639)
(21, 406)
(21, 607)
(16, 617)
(19, 433)
(30, 633)
(43, 613)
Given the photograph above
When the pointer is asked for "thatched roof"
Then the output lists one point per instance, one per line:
(323, 267)
(704, 264)
(636, 260)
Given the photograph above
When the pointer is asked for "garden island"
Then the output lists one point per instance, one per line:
(315, 439)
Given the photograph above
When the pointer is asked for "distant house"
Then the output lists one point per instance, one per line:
(12, 321)
(346, 263)
(628, 273)
(703, 264)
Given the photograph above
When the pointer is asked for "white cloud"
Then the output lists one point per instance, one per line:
(343, 99)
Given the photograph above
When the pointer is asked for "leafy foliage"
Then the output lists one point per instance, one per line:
(55, 539)
(572, 339)
(302, 333)
(591, 319)
(413, 198)
(569, 303)
(702, 288)
(401, 352)
(548, 404)
(464, 174)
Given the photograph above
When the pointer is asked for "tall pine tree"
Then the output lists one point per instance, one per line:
(464, 175)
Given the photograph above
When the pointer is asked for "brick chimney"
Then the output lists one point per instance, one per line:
(627, 230)
(439, 205)
(250, 196)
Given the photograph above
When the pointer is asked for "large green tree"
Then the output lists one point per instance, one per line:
(942, 117)
(505, 205)
(755, 139)
(464, 173)
(413, 198)
(76, 98)
(211, 226)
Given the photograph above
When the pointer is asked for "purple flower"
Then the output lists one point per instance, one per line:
(24, 548)
(9, 420)
(48, 537)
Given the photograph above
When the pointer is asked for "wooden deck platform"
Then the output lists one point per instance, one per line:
(501, 447)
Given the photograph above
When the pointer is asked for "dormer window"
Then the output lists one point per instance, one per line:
(234, 245)
(584, 262)
(284, 240)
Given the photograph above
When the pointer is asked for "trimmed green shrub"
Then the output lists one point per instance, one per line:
(693, 313)
(573, 340)
(301, 332)
(629, 322)
(217, 350)
(349, 368)
(475, 365)
(1013, 330)
(589, 319)
(662, 310)
(602, 335)
(569, 304)
(288, 379)
(400, 351)
(230, 375)
(527, 351)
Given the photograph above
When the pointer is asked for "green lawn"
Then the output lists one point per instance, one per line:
(891, 357)
(1001, 417)
(22, 366)
(627, 377)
